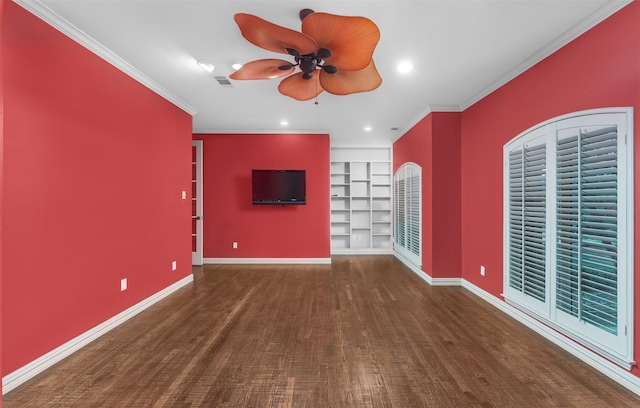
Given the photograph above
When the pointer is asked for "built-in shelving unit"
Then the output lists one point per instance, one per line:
(361, 200)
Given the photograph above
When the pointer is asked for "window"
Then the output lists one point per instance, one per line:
(569, 227)
(408, 212)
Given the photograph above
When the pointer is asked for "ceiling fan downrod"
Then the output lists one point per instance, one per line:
(308, 63)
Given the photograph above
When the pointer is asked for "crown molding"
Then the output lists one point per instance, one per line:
(565, 38)
(43, 12)
(569, 35)
(213, 131)
(430, 109)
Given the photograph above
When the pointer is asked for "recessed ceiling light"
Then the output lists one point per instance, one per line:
(284, 122)
(206, 65)
(236, 66)
(367, 128)
(404, 67)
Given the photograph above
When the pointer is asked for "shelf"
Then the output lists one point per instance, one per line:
(342, 190)
(360, 204)
(340, 229)
(340, 241)
(361, 191)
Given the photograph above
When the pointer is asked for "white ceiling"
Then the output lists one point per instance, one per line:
(461, 51)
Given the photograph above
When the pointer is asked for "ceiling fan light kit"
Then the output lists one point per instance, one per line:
(333, 54)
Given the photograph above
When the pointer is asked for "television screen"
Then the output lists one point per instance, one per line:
(279, 187)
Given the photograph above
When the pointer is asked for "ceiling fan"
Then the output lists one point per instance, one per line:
(334, 54)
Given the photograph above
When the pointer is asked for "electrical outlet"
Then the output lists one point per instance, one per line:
(184, 195)
(123, 284)
(482, 270)
(174, 266)
(235, 245)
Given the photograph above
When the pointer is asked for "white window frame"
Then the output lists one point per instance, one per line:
(618, 346)
(408, 239)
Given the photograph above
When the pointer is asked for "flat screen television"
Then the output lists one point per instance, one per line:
(279, 187)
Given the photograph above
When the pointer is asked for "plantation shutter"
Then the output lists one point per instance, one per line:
(516, 219)
(413, 209)
(400, 213)
(408, 212)
(527, 223)
(587, 230)
(568, 199)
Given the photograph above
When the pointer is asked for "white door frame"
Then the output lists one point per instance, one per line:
(197, 257)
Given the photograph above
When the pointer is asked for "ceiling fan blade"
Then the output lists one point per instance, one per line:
(351, 40)
(348, 82)
(273, 37)
(299, 88)
(263, 69)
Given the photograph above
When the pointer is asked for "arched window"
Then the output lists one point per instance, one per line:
(407, 212)
(568, 202)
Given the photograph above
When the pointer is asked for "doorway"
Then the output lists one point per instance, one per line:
(196, 202)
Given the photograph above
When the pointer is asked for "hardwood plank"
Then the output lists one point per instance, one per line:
(362, 332)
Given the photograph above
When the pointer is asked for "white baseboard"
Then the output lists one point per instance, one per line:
(611, 370)
(446, 282)
(606, 367)
(425, 276)
(361, 251)
(25, 373)
(251, 261)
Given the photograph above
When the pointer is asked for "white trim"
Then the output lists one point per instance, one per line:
(411, 124)
(606, 367)
(196, 257)
(424, 114)
(617, 347)
(425, 276)
(52, 18)
(251, 261)
(571, 115)
(30, 370)
(377, 145)
(413, 267)
(446, 281)
(604, 12)
(595, 18)
(406, 172)
(252, 132)
(362, 251)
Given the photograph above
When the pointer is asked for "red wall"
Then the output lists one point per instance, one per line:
(434, 144)
(1, 173)
(264, 231)
(599, 69)
(416, 146)
(446, 195)
(94, 165)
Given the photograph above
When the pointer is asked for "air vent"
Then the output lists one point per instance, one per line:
(223, 80)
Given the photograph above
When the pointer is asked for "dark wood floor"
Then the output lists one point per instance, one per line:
(363, 332)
